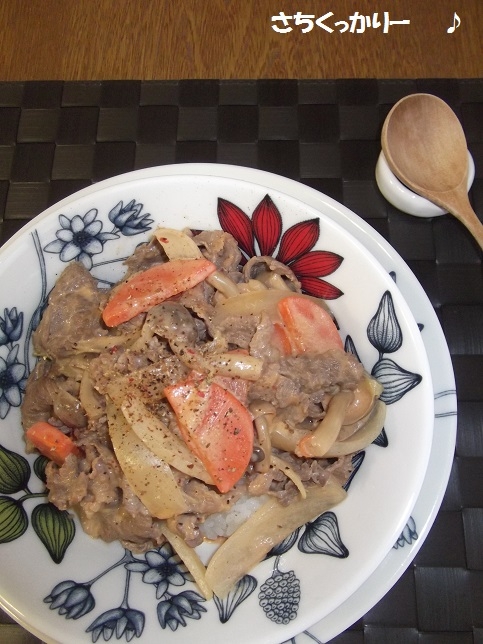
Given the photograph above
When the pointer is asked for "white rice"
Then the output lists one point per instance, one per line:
(223, 524)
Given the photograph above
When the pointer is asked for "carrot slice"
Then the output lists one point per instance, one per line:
(51, 442)
(216, 426)
(310, 327)
(151, 287)
(281, 339)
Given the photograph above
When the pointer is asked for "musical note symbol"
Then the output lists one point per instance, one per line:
(455, 25)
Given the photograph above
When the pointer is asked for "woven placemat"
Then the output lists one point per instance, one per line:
(56, 138)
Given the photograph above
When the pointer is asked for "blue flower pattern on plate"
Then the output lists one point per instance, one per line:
(162, 568)
(80, 238)
(129, 219)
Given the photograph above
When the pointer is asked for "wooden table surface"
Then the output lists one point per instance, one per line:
(228, 39)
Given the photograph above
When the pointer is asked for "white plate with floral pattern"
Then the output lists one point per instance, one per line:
(86, 590)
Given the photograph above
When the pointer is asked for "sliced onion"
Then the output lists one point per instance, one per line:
(267, 527)
(255, 302)
(250, 303)
(161, 440)
(73, 366)
(191, 560)
(104, 342)
(148, 382)
(177, 244)
(232, 364)
(150, 477)
(91, 400)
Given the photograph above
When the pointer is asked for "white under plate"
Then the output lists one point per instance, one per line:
(352, 547)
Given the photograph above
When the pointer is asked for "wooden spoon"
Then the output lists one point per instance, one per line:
(425, 147)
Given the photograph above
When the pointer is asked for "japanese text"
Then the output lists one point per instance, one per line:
(357, 23)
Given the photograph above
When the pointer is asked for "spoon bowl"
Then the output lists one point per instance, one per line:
(425, 147)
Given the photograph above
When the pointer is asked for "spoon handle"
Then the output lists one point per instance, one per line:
(465, 213)
(458, 204)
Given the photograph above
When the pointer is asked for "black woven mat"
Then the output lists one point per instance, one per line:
(56, 138)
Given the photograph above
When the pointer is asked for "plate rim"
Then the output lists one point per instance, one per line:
(262, 178)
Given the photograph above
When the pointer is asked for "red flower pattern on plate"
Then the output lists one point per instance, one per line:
(264, 230)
